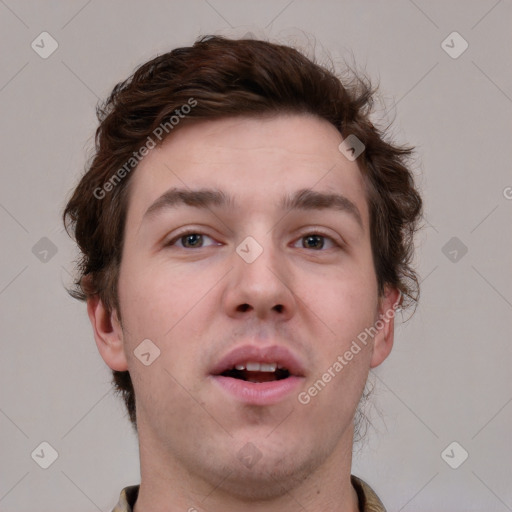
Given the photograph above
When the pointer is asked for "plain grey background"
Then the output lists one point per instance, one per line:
(448, 378)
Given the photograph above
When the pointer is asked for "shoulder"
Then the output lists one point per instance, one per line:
(127, 499)
(368, 500)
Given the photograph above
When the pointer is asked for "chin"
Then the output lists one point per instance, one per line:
(263, 483)
(267, 473)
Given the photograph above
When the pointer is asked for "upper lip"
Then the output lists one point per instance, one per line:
(256, 353)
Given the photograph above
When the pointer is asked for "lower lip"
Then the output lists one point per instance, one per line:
(258, 393)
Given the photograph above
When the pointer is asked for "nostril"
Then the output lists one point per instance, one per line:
(243, 307)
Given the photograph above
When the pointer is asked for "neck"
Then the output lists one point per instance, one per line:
(167, 485)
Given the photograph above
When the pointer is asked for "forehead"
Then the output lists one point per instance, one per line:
(255, 161)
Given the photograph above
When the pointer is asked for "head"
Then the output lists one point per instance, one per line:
(249, 131)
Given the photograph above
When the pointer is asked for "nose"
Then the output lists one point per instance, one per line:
(260, 284)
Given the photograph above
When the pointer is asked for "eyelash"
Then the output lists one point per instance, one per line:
(197, 232)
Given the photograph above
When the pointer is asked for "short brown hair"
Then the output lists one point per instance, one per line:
(225, 77)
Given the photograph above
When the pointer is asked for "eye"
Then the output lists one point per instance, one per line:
(189, 240)
(195, 240)
(316, 241)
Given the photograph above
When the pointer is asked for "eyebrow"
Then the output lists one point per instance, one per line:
(304, 199)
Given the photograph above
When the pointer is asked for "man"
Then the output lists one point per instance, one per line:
(246, 235)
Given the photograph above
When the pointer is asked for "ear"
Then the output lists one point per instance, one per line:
(107, 333)
(385, 325)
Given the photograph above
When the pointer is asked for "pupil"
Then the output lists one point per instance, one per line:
(317, 237)
(190, 237)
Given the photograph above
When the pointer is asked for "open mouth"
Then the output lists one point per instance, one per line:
(259, 375)
(257, 372)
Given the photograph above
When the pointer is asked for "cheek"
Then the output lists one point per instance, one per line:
(343, 306)
(160, 305)
(167, 307)
(154, 299)
(344, 301)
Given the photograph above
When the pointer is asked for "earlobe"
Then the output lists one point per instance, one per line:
(385, 325)
(107, 333)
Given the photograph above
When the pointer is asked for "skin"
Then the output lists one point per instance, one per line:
(188, 300)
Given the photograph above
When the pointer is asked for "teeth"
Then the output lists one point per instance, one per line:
(258, 367)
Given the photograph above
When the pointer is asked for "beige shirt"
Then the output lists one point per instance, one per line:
(368, 500)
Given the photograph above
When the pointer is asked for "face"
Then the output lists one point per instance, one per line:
(277, 273)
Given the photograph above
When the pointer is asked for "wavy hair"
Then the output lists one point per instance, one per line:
(234, 77)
